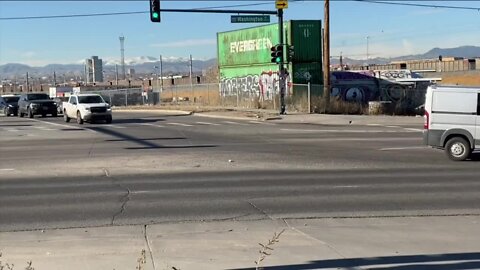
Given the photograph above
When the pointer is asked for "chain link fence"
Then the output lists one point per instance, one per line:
(347, 97)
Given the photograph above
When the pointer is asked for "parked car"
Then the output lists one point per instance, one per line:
(59, 101)
(87, 107)
(36, 104)
(452, 120)
(9, 104)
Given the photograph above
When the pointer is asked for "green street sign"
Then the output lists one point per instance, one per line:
(250, 19)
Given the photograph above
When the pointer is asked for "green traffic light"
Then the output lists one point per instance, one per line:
(155, 15)
(278, 59)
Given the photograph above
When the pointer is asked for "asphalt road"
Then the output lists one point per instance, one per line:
(150, 168)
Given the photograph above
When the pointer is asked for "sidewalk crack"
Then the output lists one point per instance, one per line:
(313, 238)
(148, 246)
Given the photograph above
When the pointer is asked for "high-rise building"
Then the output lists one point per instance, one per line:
(94, 70)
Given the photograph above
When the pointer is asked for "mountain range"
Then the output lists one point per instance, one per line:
(142, 65)
(462, 51)
(175, 65)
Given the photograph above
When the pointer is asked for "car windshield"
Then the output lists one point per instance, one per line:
(38, 96)
(90, 99)
(11, 99)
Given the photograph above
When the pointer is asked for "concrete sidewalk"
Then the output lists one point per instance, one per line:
(355, 243)
(295, 118)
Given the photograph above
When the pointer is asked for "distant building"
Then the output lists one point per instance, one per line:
(94, 70)
(131, 72)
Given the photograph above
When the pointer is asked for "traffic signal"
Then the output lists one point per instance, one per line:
(290, 53)
(277, 54)
(155, 10)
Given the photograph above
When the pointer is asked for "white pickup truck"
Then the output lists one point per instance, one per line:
(87, 107)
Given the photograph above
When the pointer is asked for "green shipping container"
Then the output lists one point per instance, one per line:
(307, 72)
(306, 37)
(251, 46)
(247, 46)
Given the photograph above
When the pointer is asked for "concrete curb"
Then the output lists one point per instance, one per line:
(226, 117)
(156, 110)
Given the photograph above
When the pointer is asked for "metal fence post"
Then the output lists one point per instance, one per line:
(126, 98)
(309, 96)
(237, 98)
(110, 96)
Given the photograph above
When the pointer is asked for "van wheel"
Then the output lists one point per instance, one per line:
(29, 113)
(458, 149)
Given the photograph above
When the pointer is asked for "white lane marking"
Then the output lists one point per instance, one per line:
(393, 126)
(116, 126)
(180, 124)
(414, 129)
(346, 139)
(50, 123)
(208, 124)
(346, 186)
(342, 131)
(374, 125)
(151, 125)
(235, 123)
(13, 130)
(5, 170)
(403, 148)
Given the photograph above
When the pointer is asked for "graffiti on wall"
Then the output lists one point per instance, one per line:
(248, 85)
(263, 85)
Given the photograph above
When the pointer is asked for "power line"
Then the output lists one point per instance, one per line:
(73, 15)
(130, 13)
(418, 5)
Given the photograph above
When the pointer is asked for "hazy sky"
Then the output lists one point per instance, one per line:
(392, 30)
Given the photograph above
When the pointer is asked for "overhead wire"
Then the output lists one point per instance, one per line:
(129, 12)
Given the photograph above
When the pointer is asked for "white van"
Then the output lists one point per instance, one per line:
(452, 120)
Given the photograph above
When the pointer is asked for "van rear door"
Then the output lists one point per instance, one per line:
(477, 133)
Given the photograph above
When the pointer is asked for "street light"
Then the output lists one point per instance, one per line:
(368, 37)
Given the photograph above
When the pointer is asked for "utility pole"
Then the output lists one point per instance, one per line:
(326, 56)
(191, 77)
(54, 79)
(341, 61)
(161, 74)
(28, 86)
(116, 75)
(281, 68)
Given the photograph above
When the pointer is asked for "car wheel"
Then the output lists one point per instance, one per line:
(65, 117)
(29, 113)
(458, 149)
(44, 115)
(20, 113)
(79, 118)
(109, 120)
(5, 112)
(55, 114)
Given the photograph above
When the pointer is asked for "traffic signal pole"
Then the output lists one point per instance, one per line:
(281, 68)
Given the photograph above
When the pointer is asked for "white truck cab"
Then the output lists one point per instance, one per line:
(452, 120)
(87, 107)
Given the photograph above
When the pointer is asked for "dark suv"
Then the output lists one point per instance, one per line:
(36, 104)
(9, 104)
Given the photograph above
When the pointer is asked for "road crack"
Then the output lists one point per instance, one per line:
(124, 199)
(260, 210)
